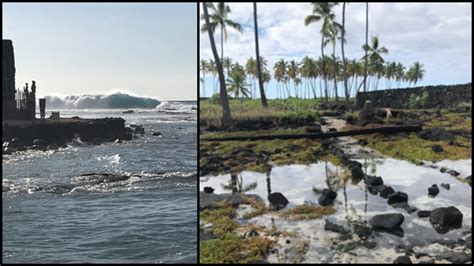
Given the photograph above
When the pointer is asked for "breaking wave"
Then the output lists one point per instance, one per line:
(110, 101)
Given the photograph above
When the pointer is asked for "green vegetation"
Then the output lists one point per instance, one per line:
(230, 247)
(307, 212)
(233, 249)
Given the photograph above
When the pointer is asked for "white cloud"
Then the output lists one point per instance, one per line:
(436, 34)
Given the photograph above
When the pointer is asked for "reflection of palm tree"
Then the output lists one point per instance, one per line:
(236, 184)
(269, 186)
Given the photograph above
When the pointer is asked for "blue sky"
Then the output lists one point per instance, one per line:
(438, 35)
(146, 49)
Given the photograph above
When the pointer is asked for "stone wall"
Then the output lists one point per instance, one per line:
(442, 96)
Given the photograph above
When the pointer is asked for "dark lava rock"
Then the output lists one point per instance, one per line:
(357, 172)
(386, 192)
(374, 190)
(423, 214)
(397, 197)
(373, 180)
(468, 180)
(326, 144)
(402, 260)
(208, 190)
(251, 233)
(436, 134)
(444, 219)
(330, 226)
(363, 142)
(212, 201)
(362, 231)
(446, 186)
(437, 148)
(332, 129)
(327, 197)
(443, 169)
(278, 200)
(458, 257)
(453, 173)
(389, 222)
(313, 129)
(157, 134)
(433, 190)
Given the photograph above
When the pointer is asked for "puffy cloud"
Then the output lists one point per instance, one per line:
(435, 34)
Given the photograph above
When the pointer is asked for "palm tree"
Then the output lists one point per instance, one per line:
(322, 11)
(374, 55)
(344, 70)
(415, 73)
(399, 73)
(293, 72)
(332, 37)
(263, 98)
(226, 116)
(366, 44)
(204, 69)
(250, 68)
(227, 64)
(212, 68)
(237, 85)
(219, 18)
(279, 72)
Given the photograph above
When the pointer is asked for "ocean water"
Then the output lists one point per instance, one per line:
(51, 215)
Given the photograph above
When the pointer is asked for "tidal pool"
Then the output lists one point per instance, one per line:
(354, 204)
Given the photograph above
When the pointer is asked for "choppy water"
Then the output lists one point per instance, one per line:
(355, 204)
(51, 215)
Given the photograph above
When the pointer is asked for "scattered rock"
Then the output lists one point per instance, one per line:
(332, 129)
(363, 142)
(436, 134)
(373, 180)
(433, 190)
(362, 231)
(437, 148)
(443, 169)
(330, 226)
(208, 190)
(327, 197)
(453, 173)
(444, 219)
(468, 180)
(278, 200)
(397, 197)
(386, 191)
(251, 233)
(374, 190)
(157, 134)
(402, 260)
(446, 186)
(389, 222)
(423, 214)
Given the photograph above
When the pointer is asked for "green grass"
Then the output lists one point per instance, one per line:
(307, 212)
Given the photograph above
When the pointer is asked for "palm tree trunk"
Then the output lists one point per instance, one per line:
(224, 101)
(335, 70)
(222, 44)
(324, 69)
(342, 48)
(366, 43)
(263, 98)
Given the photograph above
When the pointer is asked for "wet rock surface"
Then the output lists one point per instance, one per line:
(433, 190)
(445, 219)
(278, 200)
(389, 222)
(327, 197)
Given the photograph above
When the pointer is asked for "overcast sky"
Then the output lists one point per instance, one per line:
(146, 49)
(437, 34)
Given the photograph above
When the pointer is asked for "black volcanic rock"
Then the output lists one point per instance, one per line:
(278, 200)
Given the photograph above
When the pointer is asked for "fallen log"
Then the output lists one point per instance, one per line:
(381, 130)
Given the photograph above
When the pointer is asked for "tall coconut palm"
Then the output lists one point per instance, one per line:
(279, 72)
(224, 101)
(322, 12)
(227, 64)
(399, 73)
(332, 37)
(344, 66)
(263, 98)
(204, 68)
(366, 58)
(415, 73)
(293, 73)
(220, 18)
(236, 84)
(374, 54)
(250, 68)
(212, 69)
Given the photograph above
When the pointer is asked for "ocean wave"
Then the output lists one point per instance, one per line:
(101, 183)
(110, 101)
(177, 107)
